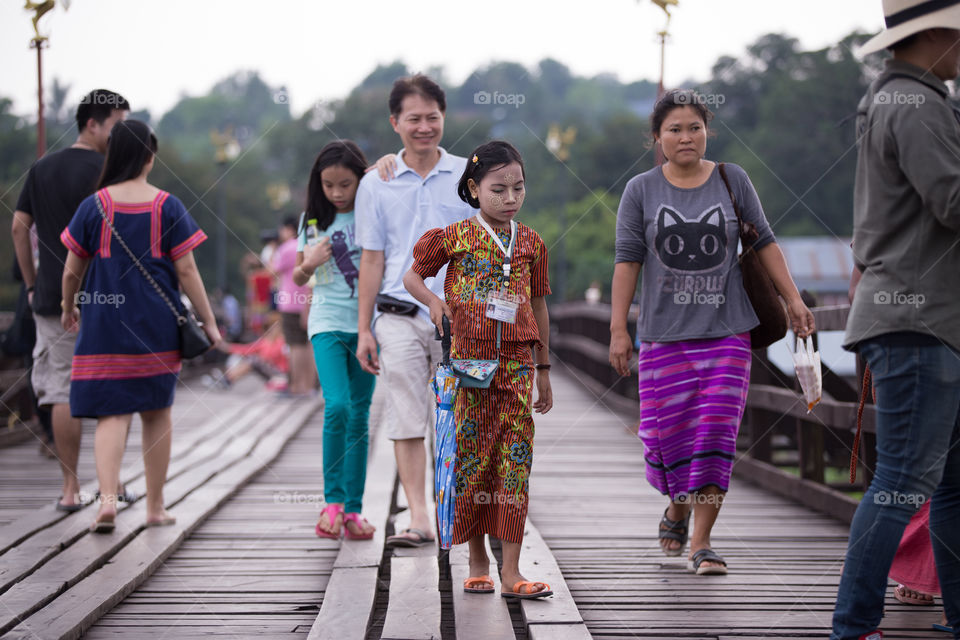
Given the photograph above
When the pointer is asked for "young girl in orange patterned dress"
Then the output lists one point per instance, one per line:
(497, 276)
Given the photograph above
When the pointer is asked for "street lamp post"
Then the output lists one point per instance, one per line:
(38, 42)
(227, 149)
(663, 35)
(559, 143)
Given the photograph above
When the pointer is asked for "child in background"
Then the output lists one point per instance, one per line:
(494, 289)
(332, 327)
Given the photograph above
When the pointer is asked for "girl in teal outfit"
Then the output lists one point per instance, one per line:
(332, 326)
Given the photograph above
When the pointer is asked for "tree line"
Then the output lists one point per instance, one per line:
(783, 113)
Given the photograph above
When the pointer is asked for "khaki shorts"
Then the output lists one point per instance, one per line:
(52, 361)
(408, 357)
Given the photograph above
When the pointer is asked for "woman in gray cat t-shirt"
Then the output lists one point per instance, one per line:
(677, 225)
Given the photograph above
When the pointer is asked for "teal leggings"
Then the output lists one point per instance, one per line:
(347, 391)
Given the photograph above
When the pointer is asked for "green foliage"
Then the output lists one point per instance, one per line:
(784, 116)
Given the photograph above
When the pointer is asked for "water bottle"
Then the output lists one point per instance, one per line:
(312, 234)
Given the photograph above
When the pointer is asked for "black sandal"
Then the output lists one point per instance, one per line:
(673, 530)
(708, 555)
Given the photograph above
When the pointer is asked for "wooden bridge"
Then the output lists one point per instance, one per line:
(245, 483)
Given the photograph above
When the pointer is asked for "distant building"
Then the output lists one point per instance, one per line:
(820, 264)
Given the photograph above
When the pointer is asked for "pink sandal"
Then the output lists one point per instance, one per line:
(358, 520)
(332, 511)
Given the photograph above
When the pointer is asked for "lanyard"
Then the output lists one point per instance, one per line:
(508, 251)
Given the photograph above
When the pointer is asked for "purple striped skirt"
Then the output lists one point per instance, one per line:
(692, 395)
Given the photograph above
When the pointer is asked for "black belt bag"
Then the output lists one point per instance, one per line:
(389, 304)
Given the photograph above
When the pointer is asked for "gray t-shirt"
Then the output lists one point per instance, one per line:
(686, 240)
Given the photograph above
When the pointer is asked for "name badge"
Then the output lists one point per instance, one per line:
(502, 306)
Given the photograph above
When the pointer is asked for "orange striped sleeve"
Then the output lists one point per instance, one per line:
(540, 270)
(430, 253)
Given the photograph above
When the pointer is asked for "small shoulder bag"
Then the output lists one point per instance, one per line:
(472, 372)
(193, 339)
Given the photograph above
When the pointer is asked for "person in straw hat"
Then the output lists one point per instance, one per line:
(905, 316)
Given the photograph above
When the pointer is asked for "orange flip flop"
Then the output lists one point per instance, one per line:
(482, 584)
(523, 590)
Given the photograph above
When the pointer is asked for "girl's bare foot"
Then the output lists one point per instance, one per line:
(160, 518)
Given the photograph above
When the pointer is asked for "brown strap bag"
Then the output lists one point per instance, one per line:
(757, 283)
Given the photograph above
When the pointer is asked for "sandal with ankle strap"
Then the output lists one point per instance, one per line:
(673, 530)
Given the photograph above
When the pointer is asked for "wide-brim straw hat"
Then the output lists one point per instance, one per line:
(906, 17)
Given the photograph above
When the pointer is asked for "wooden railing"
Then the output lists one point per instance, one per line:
(805, 456)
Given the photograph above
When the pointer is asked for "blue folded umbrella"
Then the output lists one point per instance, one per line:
(445, 384)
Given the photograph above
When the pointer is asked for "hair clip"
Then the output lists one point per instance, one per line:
(475, 159)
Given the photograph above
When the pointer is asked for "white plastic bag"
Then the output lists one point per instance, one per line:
(806, 362)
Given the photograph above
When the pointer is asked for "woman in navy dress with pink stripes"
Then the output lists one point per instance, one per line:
(128, 352)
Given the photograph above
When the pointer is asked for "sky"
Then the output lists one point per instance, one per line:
(156, 51)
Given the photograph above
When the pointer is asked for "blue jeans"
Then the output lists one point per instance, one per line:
(918, 456)
(347, 391)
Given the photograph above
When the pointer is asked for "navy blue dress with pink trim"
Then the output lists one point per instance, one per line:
(128, 352)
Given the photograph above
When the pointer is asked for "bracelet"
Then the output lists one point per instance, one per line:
(543, 367)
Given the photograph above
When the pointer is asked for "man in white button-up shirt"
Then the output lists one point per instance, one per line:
(390, 218)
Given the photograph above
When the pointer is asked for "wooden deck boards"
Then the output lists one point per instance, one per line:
(254, 568)
(591, 503)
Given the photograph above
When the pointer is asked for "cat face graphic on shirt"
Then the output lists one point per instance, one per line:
(684, 245)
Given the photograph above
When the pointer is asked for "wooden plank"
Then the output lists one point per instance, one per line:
(89, 597)
(359, 555)
(377, 495)
(538, 564)
(187, 471)
(38, 520)
(347, 604)
(254, 568)
(413, 612)
(479, 616)
(558, 632)
(812, 494)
